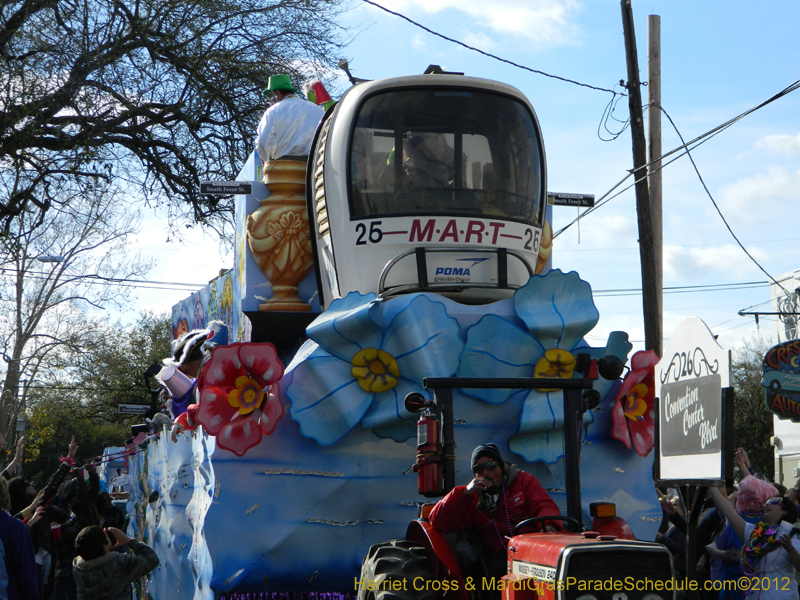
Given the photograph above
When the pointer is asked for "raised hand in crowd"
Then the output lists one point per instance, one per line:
(20, 452)
(742, 462)
(73, 448)
(37, 516)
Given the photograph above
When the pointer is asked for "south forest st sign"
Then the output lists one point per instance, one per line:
(133, 409)
(226, 188)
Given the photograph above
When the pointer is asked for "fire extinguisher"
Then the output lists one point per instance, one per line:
(430, 477)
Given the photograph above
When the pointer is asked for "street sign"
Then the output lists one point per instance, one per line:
(226, 188)
(579, 200)
(133, 409)
(694, 437)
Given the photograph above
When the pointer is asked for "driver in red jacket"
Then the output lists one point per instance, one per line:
(499, 497)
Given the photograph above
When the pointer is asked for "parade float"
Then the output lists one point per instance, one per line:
(415, 244)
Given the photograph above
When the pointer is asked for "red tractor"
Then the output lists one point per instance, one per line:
(604, 563)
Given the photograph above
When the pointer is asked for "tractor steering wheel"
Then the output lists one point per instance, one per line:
(572, 524)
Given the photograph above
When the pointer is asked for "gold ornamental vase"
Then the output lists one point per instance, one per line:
(278, 234)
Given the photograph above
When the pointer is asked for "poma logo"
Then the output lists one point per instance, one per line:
(452, 273)
(459, 271)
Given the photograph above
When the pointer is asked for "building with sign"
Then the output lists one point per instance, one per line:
(779, 380)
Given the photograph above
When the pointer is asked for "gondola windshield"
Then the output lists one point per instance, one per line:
(454, 152)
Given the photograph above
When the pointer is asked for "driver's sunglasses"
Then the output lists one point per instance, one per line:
(478, 469)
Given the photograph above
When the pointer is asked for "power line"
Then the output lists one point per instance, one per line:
(720, 128)
(99, 280)
(468, 47)
(701, 139)
(718, 287)
(84, 389)
(714, 202)
(629, 248)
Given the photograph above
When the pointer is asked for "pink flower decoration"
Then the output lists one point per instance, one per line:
(633, 406)
(239, 395)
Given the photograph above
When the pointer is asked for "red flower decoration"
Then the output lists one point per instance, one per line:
(633, 406)
(239, 396)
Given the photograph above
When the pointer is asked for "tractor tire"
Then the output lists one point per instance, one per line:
(396, 561)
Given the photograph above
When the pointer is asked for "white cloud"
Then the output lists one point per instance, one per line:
(762, 197)
(600, 231)
(783, 144)
(543, 22)
(479, 40)
(419, 44)
(706, 263)
(196, 259)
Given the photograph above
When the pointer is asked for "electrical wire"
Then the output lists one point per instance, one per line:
(495, 57)
(608, 114)
(685, 146)
(720, 128)
(84, 389)
(602, 201)
(108, 281)
(720, 287)
(630, 248)
(716, 206)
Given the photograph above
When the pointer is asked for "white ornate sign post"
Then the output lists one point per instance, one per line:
(695, 418)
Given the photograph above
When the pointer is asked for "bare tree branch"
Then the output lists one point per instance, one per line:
(159, 93)
(51, 276)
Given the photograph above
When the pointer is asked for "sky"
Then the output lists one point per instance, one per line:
(717, 62)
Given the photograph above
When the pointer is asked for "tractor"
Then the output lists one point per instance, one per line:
(604, 562)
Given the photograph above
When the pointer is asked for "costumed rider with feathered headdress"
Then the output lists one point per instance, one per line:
(180, 372)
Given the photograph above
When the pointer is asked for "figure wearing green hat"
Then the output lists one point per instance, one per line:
(287, 128)
(281, 83)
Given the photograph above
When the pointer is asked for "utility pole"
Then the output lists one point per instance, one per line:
(652, 322)
(654, 157)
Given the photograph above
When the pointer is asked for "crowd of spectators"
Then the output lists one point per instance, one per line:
(749, 531)
(66, 541)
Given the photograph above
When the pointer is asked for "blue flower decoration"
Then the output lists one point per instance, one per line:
(557, 310)
(367, 355)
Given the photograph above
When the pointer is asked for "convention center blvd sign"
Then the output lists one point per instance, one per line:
(695, 408)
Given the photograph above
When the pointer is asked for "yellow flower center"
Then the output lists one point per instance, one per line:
(557, 364)
(375, 370)
(247, 396)
(634, 405)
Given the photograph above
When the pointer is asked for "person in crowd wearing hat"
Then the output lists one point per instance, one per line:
(101, 574)
(287, 128)
(498, 497)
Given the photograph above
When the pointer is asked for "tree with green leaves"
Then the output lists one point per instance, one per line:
(752, 421)
(158, 94)
(83, 400)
